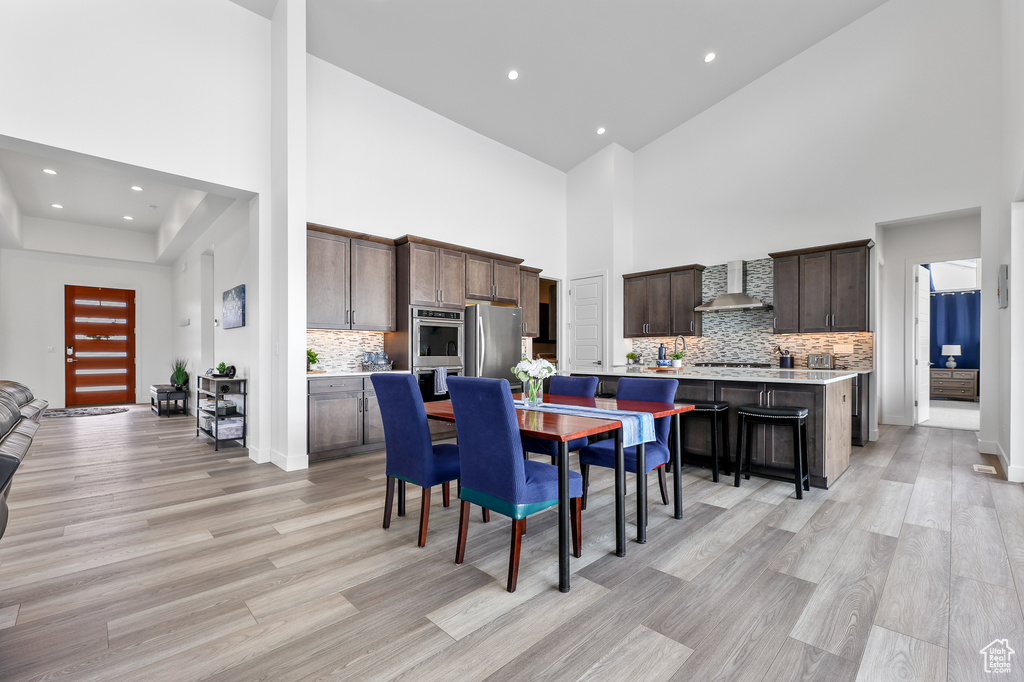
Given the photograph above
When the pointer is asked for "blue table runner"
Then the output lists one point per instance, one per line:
(637, 427)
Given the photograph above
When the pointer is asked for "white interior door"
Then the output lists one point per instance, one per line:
(922, 342)
(586, 324)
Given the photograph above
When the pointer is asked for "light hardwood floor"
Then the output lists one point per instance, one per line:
(136, 552)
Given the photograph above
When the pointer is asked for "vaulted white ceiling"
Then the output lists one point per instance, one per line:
(636, 69)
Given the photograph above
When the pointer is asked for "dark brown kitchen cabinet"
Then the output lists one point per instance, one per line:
(687, 294)
(815, 291)
(786, 291)
(491, 279)
(647, 305)
(529, 300)
(773, 446)
(350, 283)
(850, 289)
(327, 281)
(662, 302)
(372, 286)
(823, 289)
(436, 275)
(335, 421)
(344, 417)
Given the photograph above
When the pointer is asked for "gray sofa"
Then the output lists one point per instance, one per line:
(19, 420)
(16, 434)
(30, 406)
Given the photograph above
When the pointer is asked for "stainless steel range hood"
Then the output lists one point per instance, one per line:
(734, 298)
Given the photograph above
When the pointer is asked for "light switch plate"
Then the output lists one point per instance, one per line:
(842, 348)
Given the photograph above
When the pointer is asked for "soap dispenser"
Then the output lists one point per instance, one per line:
(662, 352)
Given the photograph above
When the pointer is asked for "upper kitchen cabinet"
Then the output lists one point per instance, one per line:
(823, 289)
(647, 304)
(327, 281)
(687, 293)
(350, 281)
(492, 279)
(786, 291)
(529, 300)
(436, 275)
(662, 302)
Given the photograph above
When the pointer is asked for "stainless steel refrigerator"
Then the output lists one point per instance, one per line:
(494, 342)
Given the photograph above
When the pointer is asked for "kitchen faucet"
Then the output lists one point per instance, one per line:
(675, 348)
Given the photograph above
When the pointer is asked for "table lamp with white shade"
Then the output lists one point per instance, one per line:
(951, 351)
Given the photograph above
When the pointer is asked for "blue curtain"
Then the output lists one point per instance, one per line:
(956, 319)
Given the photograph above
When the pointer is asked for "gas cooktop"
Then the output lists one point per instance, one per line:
(757, 365)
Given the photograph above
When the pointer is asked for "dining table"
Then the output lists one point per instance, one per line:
(563, 428)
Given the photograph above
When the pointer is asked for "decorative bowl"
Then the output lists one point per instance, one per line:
(664, 363)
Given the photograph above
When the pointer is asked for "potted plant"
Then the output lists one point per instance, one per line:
(632, 358)
(179, 373)
(677, 359)
(311, 358)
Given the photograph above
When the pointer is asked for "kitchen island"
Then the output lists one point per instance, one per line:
(827, 395)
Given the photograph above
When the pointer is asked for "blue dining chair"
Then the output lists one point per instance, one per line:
(583, 387)
(410, 455)
(494, 473)
(656, 454)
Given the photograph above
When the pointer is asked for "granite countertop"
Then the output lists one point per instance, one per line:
(795, 376)
(318, 375)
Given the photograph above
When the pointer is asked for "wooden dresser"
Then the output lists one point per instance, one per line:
(954, 383)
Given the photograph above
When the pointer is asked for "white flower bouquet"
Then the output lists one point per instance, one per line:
(533, 373)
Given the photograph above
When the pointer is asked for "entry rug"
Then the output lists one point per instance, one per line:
(83, 411)
(637, 427)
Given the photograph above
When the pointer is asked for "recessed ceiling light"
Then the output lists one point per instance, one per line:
(513, 74)
(56, 205)
(128, 217)
(136, 188)
(49, 171)
(600, 131)
(709, 57)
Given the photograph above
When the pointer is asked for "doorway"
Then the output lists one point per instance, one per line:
(586, 323)
(953, 342)
(99, 345)
(546, 344)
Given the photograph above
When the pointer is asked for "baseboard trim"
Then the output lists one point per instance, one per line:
(289, 462)
(260, 456)
(989, 447)
(873, 435)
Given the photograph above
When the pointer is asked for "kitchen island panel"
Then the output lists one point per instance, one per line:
(826, 395)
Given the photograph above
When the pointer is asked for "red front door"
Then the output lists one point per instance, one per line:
(99, 345)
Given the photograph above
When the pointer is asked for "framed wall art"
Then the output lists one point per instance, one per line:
(234, 307)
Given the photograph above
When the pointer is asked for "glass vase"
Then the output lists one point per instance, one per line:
(534, 391)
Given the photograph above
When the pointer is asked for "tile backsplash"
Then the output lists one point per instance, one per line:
(342, 351)
(746, 335)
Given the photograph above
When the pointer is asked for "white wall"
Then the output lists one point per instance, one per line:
(32, 308)
(599, 225)
(1010, 243)
(383, 165)
(180, 86)
(220, 259)
(10, 216)
(58, 236)
(904, 247)
(894, 116)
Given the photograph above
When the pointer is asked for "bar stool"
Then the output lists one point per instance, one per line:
(751, 415)
(715, 411)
